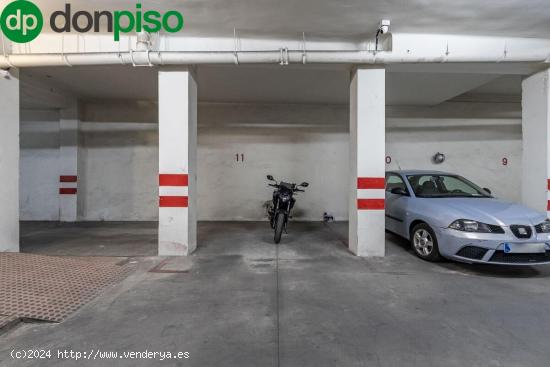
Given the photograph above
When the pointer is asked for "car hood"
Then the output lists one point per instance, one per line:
(486, 210)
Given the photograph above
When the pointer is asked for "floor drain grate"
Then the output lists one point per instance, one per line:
(50, 288)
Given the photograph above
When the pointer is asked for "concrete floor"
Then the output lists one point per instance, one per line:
(89, 238)
(308, 302)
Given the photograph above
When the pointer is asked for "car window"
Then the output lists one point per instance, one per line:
(444, 186)
(417, 182)
(454, 185)
(423, 179)
(393, 181)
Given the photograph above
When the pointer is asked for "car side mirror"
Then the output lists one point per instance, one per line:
(270, 178)
(399, 191)
(487, 190)
(304, 184)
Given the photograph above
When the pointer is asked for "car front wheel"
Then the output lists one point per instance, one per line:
(424, 242)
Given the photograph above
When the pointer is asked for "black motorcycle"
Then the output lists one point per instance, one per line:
(283, 202)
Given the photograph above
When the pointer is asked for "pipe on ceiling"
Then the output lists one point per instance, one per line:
(154, 58)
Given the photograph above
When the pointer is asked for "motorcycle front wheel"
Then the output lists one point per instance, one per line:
(279, 224)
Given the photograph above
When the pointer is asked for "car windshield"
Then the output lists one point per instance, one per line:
(444, 186)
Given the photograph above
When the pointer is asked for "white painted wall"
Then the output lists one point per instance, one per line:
(301, 143)
(68, 160)
(473, 148)
(118, 156)
(119, 171)
(40, 167)
(295, 143)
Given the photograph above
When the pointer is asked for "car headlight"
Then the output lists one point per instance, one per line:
(467, 225)
(543, 227)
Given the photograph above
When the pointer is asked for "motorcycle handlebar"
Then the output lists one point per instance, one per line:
(294, 189)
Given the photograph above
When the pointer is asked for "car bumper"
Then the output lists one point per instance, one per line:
(489, 248)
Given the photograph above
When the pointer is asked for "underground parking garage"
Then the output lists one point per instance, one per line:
(97, 162)
(135, 199)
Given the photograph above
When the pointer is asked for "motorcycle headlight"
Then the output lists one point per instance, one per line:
(467, 225)
(285, 198)
(543, 227)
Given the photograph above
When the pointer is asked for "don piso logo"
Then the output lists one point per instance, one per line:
(22, 21)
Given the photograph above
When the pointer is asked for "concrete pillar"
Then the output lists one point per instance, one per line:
(535, 115)
(535, 105)
(9, 162)
(367, 165)
(177, 162)
(68, 159)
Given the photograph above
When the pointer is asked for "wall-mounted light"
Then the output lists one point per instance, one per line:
(438, 158)
(4, 74)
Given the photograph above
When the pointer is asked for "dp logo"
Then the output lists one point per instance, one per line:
(21, 21)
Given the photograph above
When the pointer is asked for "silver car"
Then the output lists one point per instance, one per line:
(445, 215)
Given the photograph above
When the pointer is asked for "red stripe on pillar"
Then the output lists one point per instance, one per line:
(370, 204)
(67, 191)
(548, 205)
(67, 178)
(173, 179)
(371, 183)
(173, 202)
(548, 184)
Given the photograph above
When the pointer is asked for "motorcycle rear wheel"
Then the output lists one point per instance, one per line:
(279, 225)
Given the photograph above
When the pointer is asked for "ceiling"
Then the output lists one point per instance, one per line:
(505, 85)
(264, 84)
(410, 84)
(342, 18)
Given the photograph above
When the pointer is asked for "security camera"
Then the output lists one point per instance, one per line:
(384, 26)
(4, 74)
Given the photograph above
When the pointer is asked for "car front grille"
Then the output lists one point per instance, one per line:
(472, 252)
(521, 231)
(501, 257)
(538, 228)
